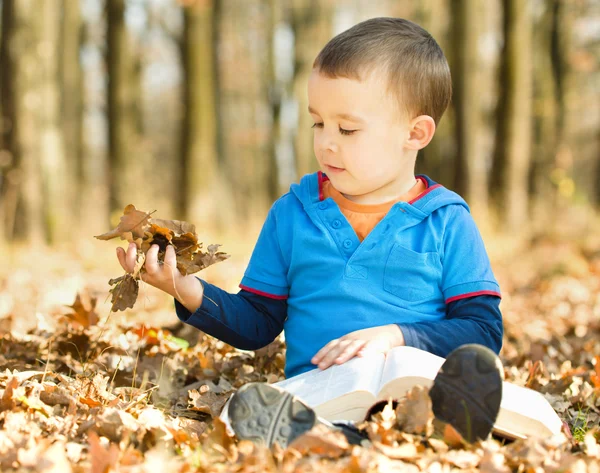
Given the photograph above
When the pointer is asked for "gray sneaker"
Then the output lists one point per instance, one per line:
(467, 391)
(267, 415)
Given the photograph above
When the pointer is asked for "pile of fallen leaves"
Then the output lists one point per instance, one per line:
(79, 393)
(137, 227)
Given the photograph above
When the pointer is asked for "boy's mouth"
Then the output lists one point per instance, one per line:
(333, 169)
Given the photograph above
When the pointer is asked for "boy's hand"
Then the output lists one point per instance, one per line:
(374, 340)
(164, 276)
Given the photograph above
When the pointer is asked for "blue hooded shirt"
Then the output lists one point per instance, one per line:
(421, 256)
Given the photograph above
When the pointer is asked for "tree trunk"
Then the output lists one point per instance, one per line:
(122, 108)
(57, 194)
(513, 138)
(546, 116)
(200, 182)
(22, 72)
(9, 185)
(438, 158)
(275, 92)
(471, 177)
(311, 23)
(72, 108)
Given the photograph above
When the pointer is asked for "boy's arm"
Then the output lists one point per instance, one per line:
(470, 320)
(469, 288)
(253, 317)
(244, 320)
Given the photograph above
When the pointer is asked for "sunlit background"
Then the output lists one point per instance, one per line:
(197, 109)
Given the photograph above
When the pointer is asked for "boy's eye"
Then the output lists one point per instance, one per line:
(342, 131)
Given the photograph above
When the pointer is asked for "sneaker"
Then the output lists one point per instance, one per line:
(467, 391)
(267, 415)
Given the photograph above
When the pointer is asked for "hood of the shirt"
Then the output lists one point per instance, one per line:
(309, 192)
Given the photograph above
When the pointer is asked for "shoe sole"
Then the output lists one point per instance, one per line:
(467, 391)
(267, 415)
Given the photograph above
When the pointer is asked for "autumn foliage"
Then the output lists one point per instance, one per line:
(137, 227)
(83, 392)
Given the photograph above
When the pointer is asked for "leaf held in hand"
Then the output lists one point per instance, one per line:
(133, 221)
(137, 226)
(125, 292)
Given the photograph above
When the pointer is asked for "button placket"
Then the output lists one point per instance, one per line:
(341, 231)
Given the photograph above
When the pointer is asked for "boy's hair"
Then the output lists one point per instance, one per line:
(417, 71)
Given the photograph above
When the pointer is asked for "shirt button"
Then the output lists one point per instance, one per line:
(347, 243)
(336, 224)
(323, 205)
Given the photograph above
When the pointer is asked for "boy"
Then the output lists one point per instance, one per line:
(361, 256)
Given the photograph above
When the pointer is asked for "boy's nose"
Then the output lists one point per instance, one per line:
(328, 144)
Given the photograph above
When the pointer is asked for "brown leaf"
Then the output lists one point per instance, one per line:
(102, 459)
(208, 401)
(133, 221)
(405, 451)
(7, 402)
(201, 260)
(321, 440)
(84, 313)
(414, 413)
(452, 437)
(125, 292)
(178, 227)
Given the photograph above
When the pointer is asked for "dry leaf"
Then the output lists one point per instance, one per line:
(137, 226)
(321, 440)
(125, 292)
(102, 459)
(405, 451)
(414, 414)
(208, 401)
(84, 313)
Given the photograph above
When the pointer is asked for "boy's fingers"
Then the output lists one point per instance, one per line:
(121, 258)
(323, 351)
(130, 257)
(334, 353)
(350, 351)
(170, 258)
(152, 260)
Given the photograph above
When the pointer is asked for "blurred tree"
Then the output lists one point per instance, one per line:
(470, 172)
(57, 183)
(123, 75)
(548, 105)
(311, 23)
(21, 72)
(71, 83)
(8, 166)
(275, 91)
(436, 159)
(200, 176)
(510, 176)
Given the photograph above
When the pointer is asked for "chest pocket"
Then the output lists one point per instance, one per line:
(412, 276)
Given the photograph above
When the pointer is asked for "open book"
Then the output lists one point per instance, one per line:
(347, 391)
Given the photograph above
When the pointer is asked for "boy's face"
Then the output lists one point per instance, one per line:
(360, 138)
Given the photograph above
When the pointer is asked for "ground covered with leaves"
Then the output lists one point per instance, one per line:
(85, 390)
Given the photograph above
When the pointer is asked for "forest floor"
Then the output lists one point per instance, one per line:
(83, 389)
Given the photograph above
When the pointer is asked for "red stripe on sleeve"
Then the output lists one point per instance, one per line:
(473, 294)
(261, 293)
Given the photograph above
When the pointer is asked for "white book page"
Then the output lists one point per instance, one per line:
(410, 362)
(317, 386)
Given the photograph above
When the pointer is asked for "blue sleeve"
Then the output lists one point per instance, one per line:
(266, 273)
(466, 267)
(469, 320)
(244, 320)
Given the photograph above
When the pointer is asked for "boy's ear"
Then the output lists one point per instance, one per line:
(420, 132)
